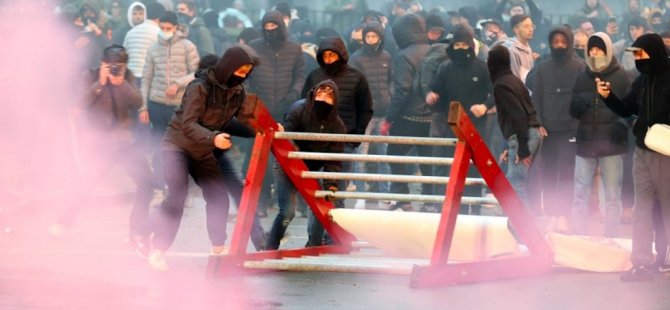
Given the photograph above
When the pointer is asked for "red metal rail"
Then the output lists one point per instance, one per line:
(439, 272)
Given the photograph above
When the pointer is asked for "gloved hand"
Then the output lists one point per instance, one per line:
(384, 128)
(331, 198)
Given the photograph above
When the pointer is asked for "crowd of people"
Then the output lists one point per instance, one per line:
(566, 107)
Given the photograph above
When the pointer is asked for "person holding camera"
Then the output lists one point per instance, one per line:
(111, 103)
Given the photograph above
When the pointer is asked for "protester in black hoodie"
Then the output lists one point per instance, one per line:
(408, 114)
(464, 79)
(209, 103)
(355, 100)
(554, 79)
(649, 99)
(375, 63)
(317, 113)
(517, 119)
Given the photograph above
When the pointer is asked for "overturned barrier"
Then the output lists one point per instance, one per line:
(470, 148)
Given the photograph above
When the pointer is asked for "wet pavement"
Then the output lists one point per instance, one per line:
(88, 266)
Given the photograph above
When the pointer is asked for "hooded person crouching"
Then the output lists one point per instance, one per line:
(317, 113)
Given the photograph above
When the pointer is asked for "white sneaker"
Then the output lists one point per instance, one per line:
(157, 260)
(360, 204)
(385, 205)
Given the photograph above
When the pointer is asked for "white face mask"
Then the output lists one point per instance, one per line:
(166, 35)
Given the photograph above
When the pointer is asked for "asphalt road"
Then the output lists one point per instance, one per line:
(88, 266)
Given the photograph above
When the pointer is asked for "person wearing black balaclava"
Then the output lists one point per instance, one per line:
(278, 79)
(464, 79)
(553, 82)
(649, 100)
(355, 101)
(196, 130)
(316, 113)
(375, 63)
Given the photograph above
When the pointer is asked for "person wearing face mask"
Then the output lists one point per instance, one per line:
(278, 80)
(354, 105)
(375, 63)
(649, 100)
(464, 79)
(169, 67)
(316, 113)
(552, 86)
(210, 101)
(601, 137)
(197, 31)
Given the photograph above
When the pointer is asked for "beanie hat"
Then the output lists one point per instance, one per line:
(595, 41)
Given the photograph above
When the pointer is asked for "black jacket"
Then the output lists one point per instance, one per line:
(280, 75)
(601, 132)
(355, 101)
(207, 107)
(301, 118)
(410, 33)
(375, 64)
(466, 81)
(552, 87)
(649, 97)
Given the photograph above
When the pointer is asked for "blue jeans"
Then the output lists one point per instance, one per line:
(372, 148)
(286, 201)
(517, 173)
(611, 172)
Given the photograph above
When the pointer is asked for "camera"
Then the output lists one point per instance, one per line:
(612, 19)
(116, 69)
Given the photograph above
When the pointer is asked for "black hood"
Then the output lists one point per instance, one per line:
(461, 34)
(277, 18)
(652, 43)
(334, 44)
(232, 59)
(410, 29)
(379, 30)
(336, 94)
(568, 36)
(498, 62)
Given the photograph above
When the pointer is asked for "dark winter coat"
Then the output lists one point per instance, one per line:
(280, 76)
(375, 64)
(552, 87)
(410, 34)
(355, 101)
(207, 107)
(649, 97)
(301, 118)
(111, 109)
(467, 82)
(601, 132)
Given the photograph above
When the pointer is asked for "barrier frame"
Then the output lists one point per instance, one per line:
(470, 146)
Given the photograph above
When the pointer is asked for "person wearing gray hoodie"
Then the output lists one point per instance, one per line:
(601, 136)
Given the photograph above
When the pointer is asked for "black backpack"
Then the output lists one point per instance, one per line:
(437, 54)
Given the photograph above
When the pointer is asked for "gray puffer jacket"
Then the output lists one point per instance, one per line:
(168, 61)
